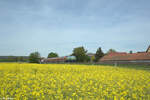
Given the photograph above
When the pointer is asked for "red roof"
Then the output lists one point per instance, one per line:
(54, 59)
(126, 56)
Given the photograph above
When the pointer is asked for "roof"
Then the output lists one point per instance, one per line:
(90, 54)
(122, 56)
(54, 59)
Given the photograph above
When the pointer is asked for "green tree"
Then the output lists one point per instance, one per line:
(87, 58)
(52, 54)
(34, 57)
(111, 51)
(80, 54)
(99, 54)
(131, 52)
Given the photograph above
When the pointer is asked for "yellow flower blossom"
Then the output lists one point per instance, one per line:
(72, 82)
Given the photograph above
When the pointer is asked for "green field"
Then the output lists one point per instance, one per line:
(73, 82)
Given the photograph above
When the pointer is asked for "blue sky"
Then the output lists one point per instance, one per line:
(61, 25)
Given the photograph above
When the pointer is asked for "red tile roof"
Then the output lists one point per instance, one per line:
(55, 59)
(126, 56)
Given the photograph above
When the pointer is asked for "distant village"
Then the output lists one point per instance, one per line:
(109, 58)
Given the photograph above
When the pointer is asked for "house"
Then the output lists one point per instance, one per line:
(90, 54)
(123, 57)
(59, 59)
(53, 60)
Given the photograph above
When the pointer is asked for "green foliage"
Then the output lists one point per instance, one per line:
(131, 52)
(13, 59)
(34, 57)
(111, 51)
(52, 54)
(80, 54)
(87, 58)
(99, 54)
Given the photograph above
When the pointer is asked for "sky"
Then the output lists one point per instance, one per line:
(60, 25)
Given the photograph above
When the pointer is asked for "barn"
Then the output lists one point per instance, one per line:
(53, 60)
(59, 59)
(124, 58)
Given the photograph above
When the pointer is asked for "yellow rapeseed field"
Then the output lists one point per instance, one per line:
(72, 82)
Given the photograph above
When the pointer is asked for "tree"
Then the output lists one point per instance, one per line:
(131, 52)
(34, 57)
(80, 54)
(99, 54)
(87, 58)
(111, 51)
(52, 54)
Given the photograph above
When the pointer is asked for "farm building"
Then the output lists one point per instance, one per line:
(90, 54)
(59, 59)
(123, 57)
(53, 60)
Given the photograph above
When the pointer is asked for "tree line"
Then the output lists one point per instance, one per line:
(13, 58)
(80, 53)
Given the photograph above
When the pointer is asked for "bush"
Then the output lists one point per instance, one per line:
(34, 57)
